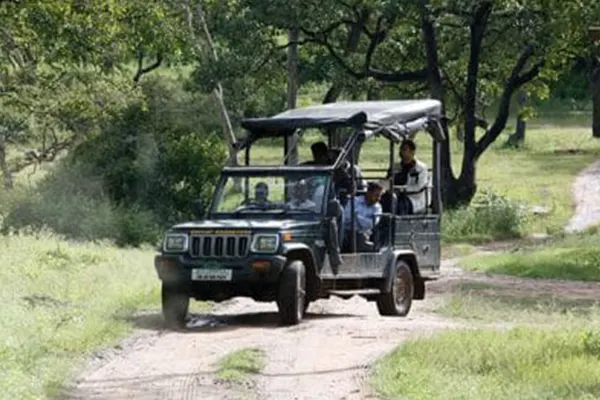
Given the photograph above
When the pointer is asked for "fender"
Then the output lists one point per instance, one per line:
(390, 269)
(313, 281)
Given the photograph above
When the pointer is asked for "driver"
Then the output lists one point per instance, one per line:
(300, 200)
(261, 193)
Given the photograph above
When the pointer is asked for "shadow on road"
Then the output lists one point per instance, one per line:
(211, 322)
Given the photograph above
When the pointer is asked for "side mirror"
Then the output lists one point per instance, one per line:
(334, 209)
(198, 208)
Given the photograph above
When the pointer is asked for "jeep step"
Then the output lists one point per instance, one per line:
(357, 292)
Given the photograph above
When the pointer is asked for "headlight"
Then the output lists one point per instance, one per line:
(262, 243)
(175, 243)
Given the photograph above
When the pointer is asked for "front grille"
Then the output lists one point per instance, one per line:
(219, 246)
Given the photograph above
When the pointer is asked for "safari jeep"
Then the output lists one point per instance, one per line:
(272, 233)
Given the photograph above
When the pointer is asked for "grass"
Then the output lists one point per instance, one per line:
(523, 363)
(489, 303)
(238, 365)
(60, 301)
(556, 358)
(573, 258)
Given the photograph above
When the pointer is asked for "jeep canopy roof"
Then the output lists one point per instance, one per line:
(394, 119)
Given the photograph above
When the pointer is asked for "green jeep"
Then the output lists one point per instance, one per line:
(272, 232)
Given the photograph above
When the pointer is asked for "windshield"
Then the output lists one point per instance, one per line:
(272, 194)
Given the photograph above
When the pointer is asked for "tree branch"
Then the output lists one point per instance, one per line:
(144, 70)
(396, 77)
(515, 81)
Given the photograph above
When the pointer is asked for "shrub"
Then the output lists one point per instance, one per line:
(492, 217)
(139, 174)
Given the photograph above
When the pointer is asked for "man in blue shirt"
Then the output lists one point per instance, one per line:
(367, 213)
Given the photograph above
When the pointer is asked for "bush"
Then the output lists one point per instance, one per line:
(158, 156)
(492, 217)
(139, 174)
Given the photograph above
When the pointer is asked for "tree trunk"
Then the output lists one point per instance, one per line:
(292, 89)
(6, 174)
(452, 189)
(517, 138)
(595, 84)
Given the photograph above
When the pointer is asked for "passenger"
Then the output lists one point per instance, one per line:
(300, 200)
(413, 175)
(367, 213)
(320, 154)
(342, 177)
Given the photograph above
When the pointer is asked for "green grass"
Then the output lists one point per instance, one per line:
(60, 301)
(240, 364)
(574, 258)
(523, 363)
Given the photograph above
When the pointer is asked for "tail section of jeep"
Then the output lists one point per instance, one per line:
(282, 232)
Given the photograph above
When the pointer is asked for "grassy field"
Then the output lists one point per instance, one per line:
(60, 301)
(541, 346)
(576, 257)
(522, 363)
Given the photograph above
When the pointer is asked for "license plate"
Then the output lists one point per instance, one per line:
(199, 274)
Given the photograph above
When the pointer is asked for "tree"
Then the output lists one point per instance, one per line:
(58, 64)
(469, 53)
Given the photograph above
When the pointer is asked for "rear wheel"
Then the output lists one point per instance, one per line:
(175, 304)
(399, 300)
(291, 297)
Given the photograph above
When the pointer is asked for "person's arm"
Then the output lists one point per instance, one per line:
(364, 217)
(378, 210)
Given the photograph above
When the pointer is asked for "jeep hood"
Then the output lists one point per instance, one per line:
(252, 224)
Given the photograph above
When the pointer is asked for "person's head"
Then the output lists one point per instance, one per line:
(373, 194)
(320, 153)
(301, 190)
(407, 151)
(261, 191)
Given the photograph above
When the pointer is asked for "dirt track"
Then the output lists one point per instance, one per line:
(325, 357)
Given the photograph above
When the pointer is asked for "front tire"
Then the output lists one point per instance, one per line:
(175, 305)
(399, 300)
(291, 296)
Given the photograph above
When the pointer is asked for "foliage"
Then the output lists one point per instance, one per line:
(492, 217)
(138, 174)
(160, 154)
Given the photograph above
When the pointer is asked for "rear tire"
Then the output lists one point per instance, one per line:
(291, 297)
(399, 300)
(175, 305)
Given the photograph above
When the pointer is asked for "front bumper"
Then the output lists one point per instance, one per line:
(252, 269)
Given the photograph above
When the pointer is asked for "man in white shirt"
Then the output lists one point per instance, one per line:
(367, 213)
(412, 174)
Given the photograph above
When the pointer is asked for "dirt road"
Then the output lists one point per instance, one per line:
(325, 357)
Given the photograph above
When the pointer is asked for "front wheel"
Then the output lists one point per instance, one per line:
(399, 300)
(175, 304)
(291, 294)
